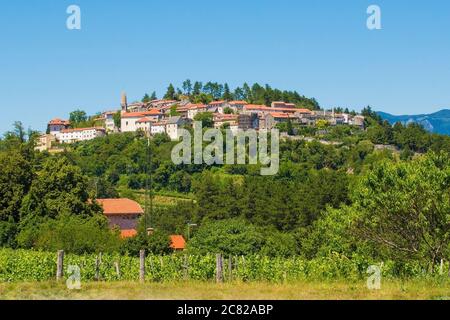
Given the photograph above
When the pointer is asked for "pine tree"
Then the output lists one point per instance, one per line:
(170, 94)
(227, 96)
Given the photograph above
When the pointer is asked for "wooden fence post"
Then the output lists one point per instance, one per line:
(142, 266)
(441, 268)
(60, 265)
(97, 268)
(219, 268)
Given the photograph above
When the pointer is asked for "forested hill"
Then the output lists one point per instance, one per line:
(199, 92)
(438, 122)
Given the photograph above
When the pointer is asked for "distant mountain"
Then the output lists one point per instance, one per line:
(438, 122)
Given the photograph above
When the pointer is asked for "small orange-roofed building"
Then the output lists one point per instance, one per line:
(122, 213)
(177, 242)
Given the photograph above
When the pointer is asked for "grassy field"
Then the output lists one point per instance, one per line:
(397, 290)
(161, 198)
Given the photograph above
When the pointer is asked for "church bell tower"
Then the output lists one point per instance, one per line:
(124, 102)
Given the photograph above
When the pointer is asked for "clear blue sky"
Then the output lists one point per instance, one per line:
(321, 48)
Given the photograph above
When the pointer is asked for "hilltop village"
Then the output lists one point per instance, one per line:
(168, 116)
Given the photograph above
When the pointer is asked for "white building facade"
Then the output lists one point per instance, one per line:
(82, 134)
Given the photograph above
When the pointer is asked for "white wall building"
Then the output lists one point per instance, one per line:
(194, 109)
(129, 119)
(110, 125)
(81, 134)
(158, 127)
(56, 125)
(173, 124)
(145, 125)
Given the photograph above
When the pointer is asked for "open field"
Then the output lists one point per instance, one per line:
(162, 199)
(396, 290)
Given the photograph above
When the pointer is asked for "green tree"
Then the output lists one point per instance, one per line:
(117, 119)
(229, 237)
(16, 175)
(59, 188)
(227, 96)
(206, 118)
(228, 110)
(198, 87)
(78, 235)
(187, 87)
(170, 94)
(405, 207)
(157, 243)
(173, 111)
(78, 116)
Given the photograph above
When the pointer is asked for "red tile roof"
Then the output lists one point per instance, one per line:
(152, 112)
(303, 111)
(279, 115)
(257, 107)
(177, 242)
(58, 121)
(120, 207)
(144, 120)
(269, 109)
(129, 233)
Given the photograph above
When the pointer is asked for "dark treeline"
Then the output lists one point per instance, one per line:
(199, 92)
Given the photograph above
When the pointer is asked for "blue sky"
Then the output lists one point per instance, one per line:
(320, 48)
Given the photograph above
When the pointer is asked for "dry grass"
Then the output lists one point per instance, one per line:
(391, 290)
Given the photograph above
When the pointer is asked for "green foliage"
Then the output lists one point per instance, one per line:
(158, 243)
(59, 188)
(117, 119)
(228, 110)
(170, 94)
(173, 111)
(16, 174)
(146, 98)
(257, 94)
(70, 233)
(77, 117)
(8, 233)
(206, 118)
(27, 266)
(230, 237)
(405, 207)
